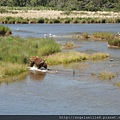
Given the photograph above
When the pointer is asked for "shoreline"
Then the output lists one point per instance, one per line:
(59, 14)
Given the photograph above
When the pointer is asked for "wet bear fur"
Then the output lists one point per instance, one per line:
(38, 62)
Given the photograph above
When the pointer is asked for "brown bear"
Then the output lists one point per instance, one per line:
(39, 62)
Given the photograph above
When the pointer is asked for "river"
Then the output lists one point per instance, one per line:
(65, 93)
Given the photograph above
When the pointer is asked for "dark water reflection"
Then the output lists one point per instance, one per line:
(66, 92)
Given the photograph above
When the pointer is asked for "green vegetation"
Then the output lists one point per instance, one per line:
(17, 50)
(103, 35)
(15, 53)
(114, 43)
(68, 57)
(117, 84)
(106, 75)
(68, 45)
(98, 56)
(20, 20)
(89, 5)
(4, 30)
(10, 69)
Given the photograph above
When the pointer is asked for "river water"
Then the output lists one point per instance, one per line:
(65, 92)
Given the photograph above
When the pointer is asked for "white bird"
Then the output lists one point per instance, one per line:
(45, 35)
(17, 28)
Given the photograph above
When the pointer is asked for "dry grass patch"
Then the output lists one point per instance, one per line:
(98, 55)
(73, 56)
(10, 69)
(66, 57)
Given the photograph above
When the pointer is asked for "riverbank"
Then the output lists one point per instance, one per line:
(17, 62)
(52, 16)
(62, 14)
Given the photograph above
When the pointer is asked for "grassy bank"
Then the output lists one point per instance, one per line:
(112, 39)
(15, 53)
(114, 43)
(68, 57)
(4, 30)
(65, 20)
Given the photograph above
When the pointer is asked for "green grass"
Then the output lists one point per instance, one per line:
(20, 20)
(73, 56)
(15, 53)
(114, 42)
(8, 69)
(4, 30)
(98, 56)
(103, 35)
(106, 75)
(18, 50)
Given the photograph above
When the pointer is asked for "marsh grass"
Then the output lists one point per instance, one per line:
(117, 84)
(98, 56)
(85, 35)
(4, 30)
(48, 46)
(106, 75)
(73, 56)
(8, 69)
(103, 35)
(114, 42)
(18, 50)
(15, 53)
(68, 45)
(59, 19)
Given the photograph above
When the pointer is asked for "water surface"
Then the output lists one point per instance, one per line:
(65, 93)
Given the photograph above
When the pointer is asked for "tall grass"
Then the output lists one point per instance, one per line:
(18, 50)
(4, 30)
(8, 69)
(114, 42)
(15, 53)
(103, 35)
(73, 56)
(48, 46)
(98, 56)
(21, 20)
(106, 75)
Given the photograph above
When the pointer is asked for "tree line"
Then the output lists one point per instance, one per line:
(89, 5)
